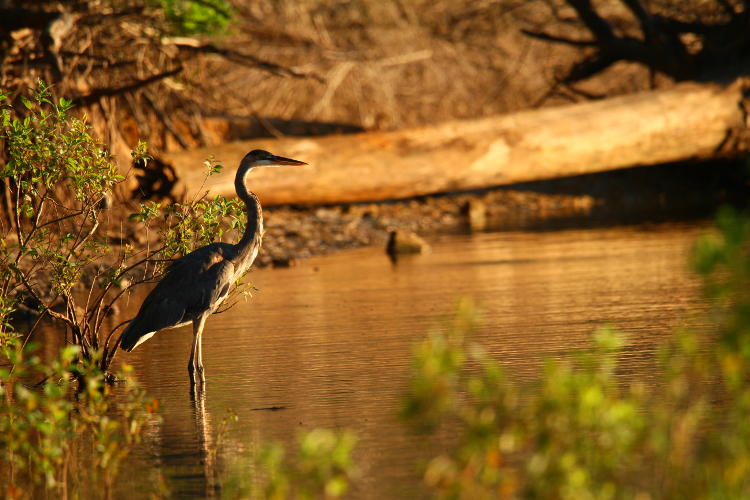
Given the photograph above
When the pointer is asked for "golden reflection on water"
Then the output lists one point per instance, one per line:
(328, 343)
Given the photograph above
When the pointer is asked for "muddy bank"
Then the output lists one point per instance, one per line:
(667, 192)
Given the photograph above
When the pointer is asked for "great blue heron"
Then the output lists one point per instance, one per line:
(195, 285)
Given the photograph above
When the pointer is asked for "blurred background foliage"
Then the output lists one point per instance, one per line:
(191, 17)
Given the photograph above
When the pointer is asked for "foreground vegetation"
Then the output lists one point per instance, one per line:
(54, 443)
(59, 439)
(584, 432)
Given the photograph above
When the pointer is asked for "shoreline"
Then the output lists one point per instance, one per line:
(637, 195)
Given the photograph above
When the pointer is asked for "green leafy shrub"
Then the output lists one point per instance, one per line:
(59, 177)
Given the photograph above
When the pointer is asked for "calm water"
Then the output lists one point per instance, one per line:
(327, 343)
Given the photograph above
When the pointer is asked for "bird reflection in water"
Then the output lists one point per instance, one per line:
(207, 445)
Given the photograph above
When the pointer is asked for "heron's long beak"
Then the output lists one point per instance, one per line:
(280, 160)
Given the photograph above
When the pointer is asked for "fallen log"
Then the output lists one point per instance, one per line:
(689, 121)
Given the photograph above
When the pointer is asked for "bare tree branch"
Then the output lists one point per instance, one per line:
(548, 37)
(589, 67)
(722, 48)
(112, 91)
(195, 46)
(598, 26)
(645, 20)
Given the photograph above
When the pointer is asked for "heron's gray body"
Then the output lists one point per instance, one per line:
(195, 285)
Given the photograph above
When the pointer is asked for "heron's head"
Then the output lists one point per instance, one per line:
(260, 158)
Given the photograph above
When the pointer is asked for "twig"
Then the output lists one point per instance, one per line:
(17, 213)
(193, 45)
(60, 219)
(8, 202)
(589, 67)
(109, 359)
(113, 91)
(29, 288)
(39, 210)
(31, 331)
(81, 240)
(120, 275)
(593, 21)
(337, 76)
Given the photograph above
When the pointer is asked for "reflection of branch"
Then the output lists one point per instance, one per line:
(112, 91)
(39, 318)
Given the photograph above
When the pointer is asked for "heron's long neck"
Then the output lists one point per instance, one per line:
(250, 242)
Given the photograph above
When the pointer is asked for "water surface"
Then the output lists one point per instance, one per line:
(328, 343)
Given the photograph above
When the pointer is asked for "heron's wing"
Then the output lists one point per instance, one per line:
(192, 286)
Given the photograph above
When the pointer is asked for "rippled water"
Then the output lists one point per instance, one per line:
(328, 343)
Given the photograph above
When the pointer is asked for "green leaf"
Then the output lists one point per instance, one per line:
(65, 104)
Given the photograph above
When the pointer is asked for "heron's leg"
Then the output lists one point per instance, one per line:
(200, 350)
(191, 361)
(195, 350)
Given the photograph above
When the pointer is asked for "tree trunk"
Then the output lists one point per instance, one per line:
(687, 122)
